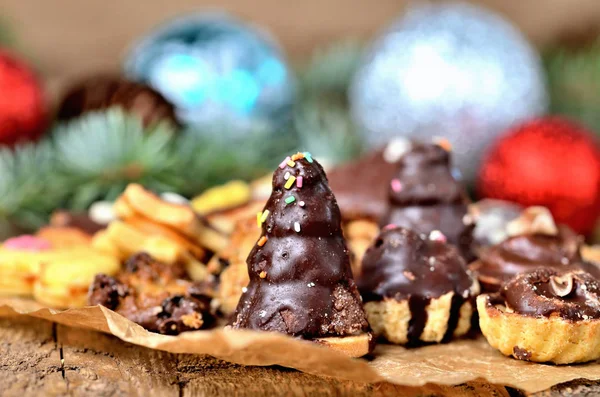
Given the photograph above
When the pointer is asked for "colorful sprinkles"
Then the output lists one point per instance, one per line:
(436, 235)
(287, 176)
(290, 182)
(298, 156)
(396, 185)
(301, 203)
(291, 163)
(297, 227)
(284, 162)
(299, 181)
(308, 157)
(443, 143)
(290, 200)
(262, 241)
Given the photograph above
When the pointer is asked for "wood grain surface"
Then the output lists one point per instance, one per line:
(38, 358)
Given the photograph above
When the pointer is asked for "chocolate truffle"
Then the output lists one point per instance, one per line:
(416, 289)
(522, 253)
(544, 315)
(425, 197)
(300, 277)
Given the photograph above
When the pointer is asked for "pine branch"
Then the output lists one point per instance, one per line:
(321, 117)
(206, 158)
(101, 152)
(29, 189)
(574, 83)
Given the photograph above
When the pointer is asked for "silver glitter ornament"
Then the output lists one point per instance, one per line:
(451, 70)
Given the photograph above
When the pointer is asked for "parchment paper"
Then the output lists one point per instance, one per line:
(448, 364)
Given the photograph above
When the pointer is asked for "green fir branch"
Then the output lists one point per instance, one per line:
(101, 152)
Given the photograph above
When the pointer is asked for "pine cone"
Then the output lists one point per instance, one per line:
(101, 92)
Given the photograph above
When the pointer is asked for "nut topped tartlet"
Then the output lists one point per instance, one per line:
(545, 315)
(535, 242)
(416, 289)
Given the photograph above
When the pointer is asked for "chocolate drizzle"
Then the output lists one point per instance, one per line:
(424, 196)
(536, 294)
(518, 254)
(402, 265)
(300, 277)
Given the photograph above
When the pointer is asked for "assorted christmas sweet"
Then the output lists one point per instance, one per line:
(104, 91)
(158, 296)
(424, 196)
(551, 162)
(416, 289)
(361, 185)
(300, 277)
(55, 276)
(544, 315)
(535, 242)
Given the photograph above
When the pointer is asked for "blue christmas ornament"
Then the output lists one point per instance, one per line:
(216, 71)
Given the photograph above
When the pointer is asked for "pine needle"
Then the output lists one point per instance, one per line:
(101, 152)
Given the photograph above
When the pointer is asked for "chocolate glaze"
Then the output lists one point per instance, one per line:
(500, 263)
(155, 295)
(429, 198)
(361, 186)
(532, 294)
(402, 265)
(301, 282)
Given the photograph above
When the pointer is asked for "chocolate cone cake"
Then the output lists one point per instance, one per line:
(425, 197)
(300, 277)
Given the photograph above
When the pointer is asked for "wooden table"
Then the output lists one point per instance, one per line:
(39, 358)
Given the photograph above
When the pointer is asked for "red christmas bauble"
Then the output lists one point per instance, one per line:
(551, 162)
(22, 106)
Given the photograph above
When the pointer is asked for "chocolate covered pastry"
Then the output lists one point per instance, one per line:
(300, 278)
(360, 187)
(425, 197)
(541, 244)
(157, 296)
(545, 315)
(416, 289)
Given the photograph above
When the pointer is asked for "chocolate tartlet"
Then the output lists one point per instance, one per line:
(424, 197)
(157, 296)
(416, 289)
(300, 277)
(545, 315)
(522, 253)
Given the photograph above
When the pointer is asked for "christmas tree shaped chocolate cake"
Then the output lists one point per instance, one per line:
(300, 278)
(425, 197)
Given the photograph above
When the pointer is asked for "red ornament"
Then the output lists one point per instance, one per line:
(551, 162)
(22, 105)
